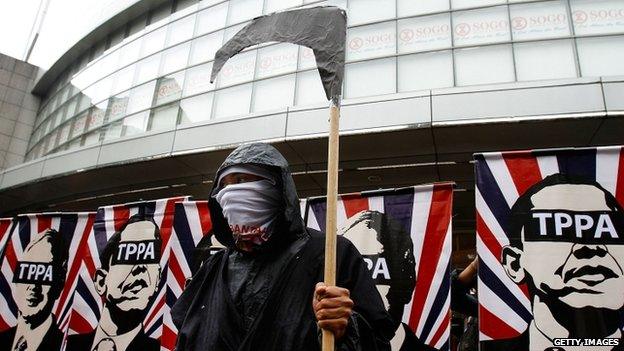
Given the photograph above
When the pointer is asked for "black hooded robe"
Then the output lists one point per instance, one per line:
(209, 318)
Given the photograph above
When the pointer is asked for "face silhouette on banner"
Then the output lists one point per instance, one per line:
(390, 229)
(38, 281)
(565, 249)
(127, 282)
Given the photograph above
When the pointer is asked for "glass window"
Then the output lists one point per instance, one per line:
(74, 144)
(108, 63)
(474, 3)
(91, 138)
(153, 42)
(242, 10)
(426, 71)
(277, 5)
(169, 88)
(113, 131)
(371, 41)
(96, 116)
(597, 16)
(175, 58)
(130, 52)
(306, 58)
(147, 69)
(411, 7)
(117, 106)
(272, 94)
(181, 30)
(362, 11)
(488, 25)
(539, 20)
(485, 65)
(211, 19)
(84, 103)
(205, 48)
(123, 79)
(601, 56)
(159, 15)
(238, 69)
(233, 101)
(545, 60)
(141, 97)
(135, 124)
(71, 108)
(198, 79)
(165, 117)
(196, 109)
(276, 59)
(78, 124)
(424, 33)
(64, 133)
(362, 79)
(101, 90)
(309, 89)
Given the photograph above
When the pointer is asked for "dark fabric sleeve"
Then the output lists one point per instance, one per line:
(461, 300)
(371, 327)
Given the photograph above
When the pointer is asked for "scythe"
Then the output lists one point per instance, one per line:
(323, 29)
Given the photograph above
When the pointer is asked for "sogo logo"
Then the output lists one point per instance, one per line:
(408, 34)
(462, 29)
(518, 23)
(580, 17)
(356, 43)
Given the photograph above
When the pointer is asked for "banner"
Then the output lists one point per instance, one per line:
(391, 228)
(40, 270)
(126, 281)
(549, 240)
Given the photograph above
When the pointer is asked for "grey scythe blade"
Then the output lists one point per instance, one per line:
(323, 29)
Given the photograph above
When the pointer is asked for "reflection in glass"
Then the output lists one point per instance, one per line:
(123, 79)
(79, 123)
(113, 131)
(91, 138)
(196, 109)
(169, 88)
(198, 79)
(424, 33)
(489, 25)
(135, 124)
(141, 97)
(371, 41)
(96, 116)
(238, 69)
(276, 59)
(164, 117)
(117, 106)
(147, 69)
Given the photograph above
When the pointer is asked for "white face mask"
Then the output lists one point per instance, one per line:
(250, 209)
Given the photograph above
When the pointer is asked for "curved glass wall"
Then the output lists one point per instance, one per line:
(158, 77)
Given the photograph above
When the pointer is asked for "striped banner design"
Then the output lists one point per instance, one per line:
(75, 228)
(424, 212)
(87, 304)
(501, 178)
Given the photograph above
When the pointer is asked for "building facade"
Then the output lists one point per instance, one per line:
(129, 111)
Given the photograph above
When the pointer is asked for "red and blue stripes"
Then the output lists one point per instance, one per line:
(502, 177)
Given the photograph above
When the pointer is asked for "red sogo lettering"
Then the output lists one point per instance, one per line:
(548, 19)
(379, 39)
(606, 14)
(428, 31)
(490, 26)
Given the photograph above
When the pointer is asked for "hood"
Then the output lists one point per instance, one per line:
(291, 226)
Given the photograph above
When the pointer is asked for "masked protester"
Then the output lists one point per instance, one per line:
(261, 292)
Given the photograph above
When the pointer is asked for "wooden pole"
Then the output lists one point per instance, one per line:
(332, 199)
